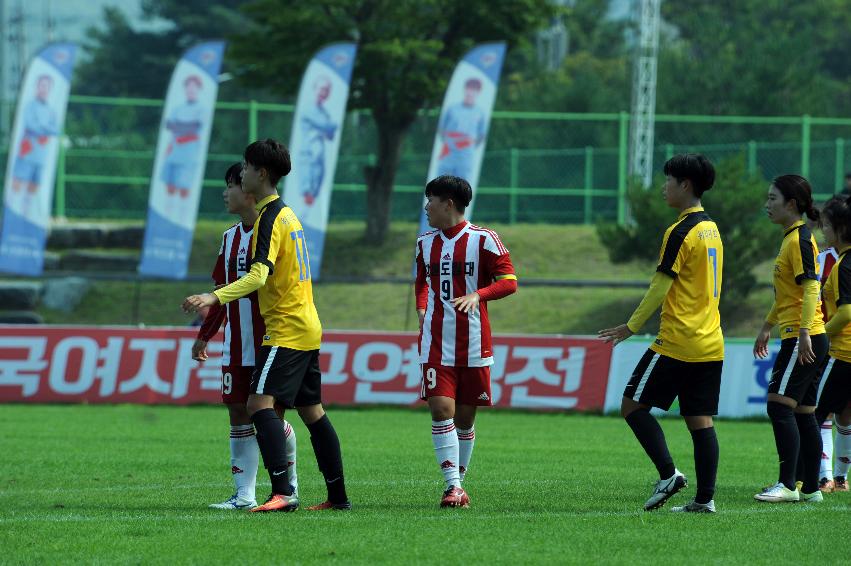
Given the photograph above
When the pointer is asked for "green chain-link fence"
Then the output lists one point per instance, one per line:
(538, 167)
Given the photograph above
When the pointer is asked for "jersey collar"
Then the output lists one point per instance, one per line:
(262, 204)
(460, 227)
(793, 227)
(689, 211)
(843, 251)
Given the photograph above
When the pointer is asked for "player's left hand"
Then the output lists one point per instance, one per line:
(194, 303)
(615, 335)
(466, 303)
(805, 348)
(199, 351)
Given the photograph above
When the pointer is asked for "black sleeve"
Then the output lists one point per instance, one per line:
(808, 258)
(844, 281)
(265, 225)
(672, 248)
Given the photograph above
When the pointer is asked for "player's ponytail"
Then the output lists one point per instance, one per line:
(798, 188)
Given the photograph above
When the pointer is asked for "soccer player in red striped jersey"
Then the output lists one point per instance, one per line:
(244, 329)
(460, 267)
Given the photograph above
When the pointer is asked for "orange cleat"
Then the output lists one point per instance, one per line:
(347, 506)
(840, 483)
(825, 485)
(455, 497)
(277, 502)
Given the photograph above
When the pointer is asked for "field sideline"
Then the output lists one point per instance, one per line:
(130, 484)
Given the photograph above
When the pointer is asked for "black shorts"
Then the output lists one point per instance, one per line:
(292, 377)
(657, 380)
(835, 391)
(794, 380)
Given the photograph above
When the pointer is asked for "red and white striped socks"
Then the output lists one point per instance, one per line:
(466, 440)
(842, 450)
(290, 450)
(244, 455)
(445, 442)
(826, 470)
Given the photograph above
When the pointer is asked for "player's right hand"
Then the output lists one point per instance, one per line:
(199, 351)
(760, 346)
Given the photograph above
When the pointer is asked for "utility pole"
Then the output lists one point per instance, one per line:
(642, 125)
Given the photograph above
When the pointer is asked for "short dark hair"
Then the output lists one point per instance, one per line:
(798, 188)
(270, 155)
(838, 212)
(694, 167)
(450, 186)
(234, 174)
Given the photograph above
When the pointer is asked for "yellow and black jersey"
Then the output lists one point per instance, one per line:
(837, 292)
(286, 300)
(795, 263)
(693, 255)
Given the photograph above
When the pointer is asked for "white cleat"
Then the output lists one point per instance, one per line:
(233, 503)
(695, 507)
(778, 493)
(665, 489)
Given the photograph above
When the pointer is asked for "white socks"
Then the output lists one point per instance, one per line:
(243, 460)
(826, 470)
(292, 476)
(466, 440)
(842, 450)
(445, 442)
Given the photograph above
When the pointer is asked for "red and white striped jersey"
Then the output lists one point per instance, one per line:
(452, 267)
(244, 326)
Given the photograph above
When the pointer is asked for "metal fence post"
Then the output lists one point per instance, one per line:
(623, 152)
(752, 157)
(805, 144)
(513, 181)
(59, 201)
(252, 121)
(589, 183)
(840, 164)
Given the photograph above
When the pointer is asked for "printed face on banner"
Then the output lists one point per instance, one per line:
(33, 155)
(315, 142)
(179, 168)
(463, 125)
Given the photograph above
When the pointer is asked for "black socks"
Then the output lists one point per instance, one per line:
(705, 462)
(652, 439)
(811, 448)
(326, 447)
(272, 443)
(787, 439)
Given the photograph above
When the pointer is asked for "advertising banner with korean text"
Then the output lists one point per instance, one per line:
(744, 379)
(46, 364)
(462, 128)
(315, 143)
(33, 154)
(181, 157)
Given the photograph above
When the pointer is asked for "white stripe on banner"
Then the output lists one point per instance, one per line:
(180, 161)
(640, 387)
(32, 160)
(315, 143)
(790, 367)
(265, 371)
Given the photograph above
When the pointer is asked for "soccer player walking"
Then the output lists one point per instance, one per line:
(287, 365)
(835, 394)
(686, 358)
(460, 267)
(244, 331)
(793, 387)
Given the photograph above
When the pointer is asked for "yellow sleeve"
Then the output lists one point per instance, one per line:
(808, 309)
(772, 314)
(659, 287)
(246, 284)
(839, 321)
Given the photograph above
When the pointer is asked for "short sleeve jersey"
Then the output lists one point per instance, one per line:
(837, 292)
(795, 263)
(286, 300)
(693, 255)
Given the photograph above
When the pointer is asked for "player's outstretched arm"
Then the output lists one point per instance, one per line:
(653, 298)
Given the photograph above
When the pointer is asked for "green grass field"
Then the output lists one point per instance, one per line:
(130, 485)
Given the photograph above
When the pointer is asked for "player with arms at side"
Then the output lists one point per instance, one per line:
(244, 331)
(686, 358)
(287, 365)
(835, 394)
(460, 267)
(793, 389)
